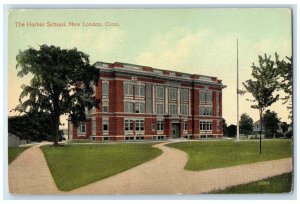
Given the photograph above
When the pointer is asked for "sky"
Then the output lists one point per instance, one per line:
(197, 41)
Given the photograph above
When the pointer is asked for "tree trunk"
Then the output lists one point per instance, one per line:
(261, 125)
(56, 130)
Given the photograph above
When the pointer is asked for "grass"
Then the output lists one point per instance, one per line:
(73, 166)
(276, 184)
(13, 153)
(217, 154)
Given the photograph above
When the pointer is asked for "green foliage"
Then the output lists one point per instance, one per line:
(61, 83)
(218, 154)
(246, 124)
(74, 166)
(271, 122)
(276, 184)
(265, 83)
(285, 72)
(284, 127)
(14, 152)
(231, 131)
(31, 126)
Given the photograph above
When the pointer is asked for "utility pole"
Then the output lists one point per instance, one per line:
(237, 91)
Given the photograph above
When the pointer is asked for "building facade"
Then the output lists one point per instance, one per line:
(144, 103)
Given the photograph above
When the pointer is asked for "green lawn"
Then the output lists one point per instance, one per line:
(73, 166)
(276, 184)
(13, 153)
(217, 154)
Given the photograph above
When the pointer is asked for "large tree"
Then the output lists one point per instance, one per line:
(246, 124)
(61, 84)
(271, 122)
(263, 86)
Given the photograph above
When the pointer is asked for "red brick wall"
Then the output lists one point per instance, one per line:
(168, 127)
(112, 96)
(148, 126)
(195, 109)
(119, 96)
(214, 107)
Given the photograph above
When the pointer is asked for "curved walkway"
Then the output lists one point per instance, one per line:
(162, 175)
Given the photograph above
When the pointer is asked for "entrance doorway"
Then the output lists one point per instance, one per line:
(175, 130)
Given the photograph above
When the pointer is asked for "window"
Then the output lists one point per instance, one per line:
(105, 106)
(81, 128)
(128, 125)
(208, 110)
(184, 109)
(105, 89)
(185, 125)
(205, 96)
(160, 108)
(202, 110)
(105, 125)
(205, 125)
(173, 94)
(139, 107)
(160, 125)
(128, 89)
(202, 96)
(139, 125)
(205, 110)
(218, 104)
(184, 94)
(208, 125)
(140, 90)
(208, 96)
(173, 108)
(128, 107)
(160, 92)
(93, 126)
(218, 126)
(202, 125)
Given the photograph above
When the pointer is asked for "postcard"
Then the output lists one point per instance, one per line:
(150, 101)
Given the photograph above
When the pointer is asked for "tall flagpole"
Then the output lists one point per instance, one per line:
(237, 90)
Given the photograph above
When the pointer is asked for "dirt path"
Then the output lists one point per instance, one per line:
(29, 174)
(162, 175)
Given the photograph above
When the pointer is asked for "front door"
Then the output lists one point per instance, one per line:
(175, 130)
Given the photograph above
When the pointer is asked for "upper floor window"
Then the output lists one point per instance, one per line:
(139, 107)
(128, 89)
(205, 96)
(205, 110)
(160, 92)
(128, 107)
(160, 108)
(173, 93)
(184, 94)
(140, 90)
(105, 106)
(104, 88)
(184, 109)
(173, 108)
